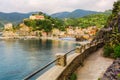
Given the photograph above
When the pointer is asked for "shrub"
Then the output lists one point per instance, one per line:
(118, 75)
(117, 51)
(73, 77)
(99, 78)
(108, 50)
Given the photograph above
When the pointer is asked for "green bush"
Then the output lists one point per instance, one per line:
(117, 51)
(73, 77)
(108, 50)
(99, 79)
(118, 76)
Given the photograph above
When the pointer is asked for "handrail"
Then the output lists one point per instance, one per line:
(70, 51)
(39, 70)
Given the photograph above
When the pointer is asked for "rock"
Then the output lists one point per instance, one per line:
(113, 71)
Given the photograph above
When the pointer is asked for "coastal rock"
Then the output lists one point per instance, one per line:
(9, 34)
(113, 71)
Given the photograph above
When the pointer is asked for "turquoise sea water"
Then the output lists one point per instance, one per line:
(18, 58)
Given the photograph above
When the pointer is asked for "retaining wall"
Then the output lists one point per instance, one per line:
(73, 61)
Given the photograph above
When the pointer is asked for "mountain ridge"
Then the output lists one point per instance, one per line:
(74, 14)
(16, 17)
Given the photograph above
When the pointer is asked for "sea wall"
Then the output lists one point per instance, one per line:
(113, 71)
(66, 65)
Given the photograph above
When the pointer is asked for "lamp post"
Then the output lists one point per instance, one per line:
(119, 22)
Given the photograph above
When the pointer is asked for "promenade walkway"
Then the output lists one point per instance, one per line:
(94, 66)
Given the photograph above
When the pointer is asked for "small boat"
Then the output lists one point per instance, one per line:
(68, 38)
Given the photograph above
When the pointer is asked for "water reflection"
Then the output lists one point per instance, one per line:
(21, 57)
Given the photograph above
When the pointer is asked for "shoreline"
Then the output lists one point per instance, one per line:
(58, 39)
(36, 37)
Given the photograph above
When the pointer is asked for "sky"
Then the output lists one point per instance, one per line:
(53, 6)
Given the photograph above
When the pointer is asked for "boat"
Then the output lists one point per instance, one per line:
(68, 38)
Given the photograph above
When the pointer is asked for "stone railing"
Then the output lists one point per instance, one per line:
(66, 65)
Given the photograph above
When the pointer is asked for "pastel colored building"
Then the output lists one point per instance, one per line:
(55, 32)
(24, 30)
(8, 26)
(37, 17)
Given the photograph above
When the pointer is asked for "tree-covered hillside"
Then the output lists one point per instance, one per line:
(47, 24)
(12, 17)
(50, 23)
(74, 14)
(111, 34)
(91, 20)
(16, 18)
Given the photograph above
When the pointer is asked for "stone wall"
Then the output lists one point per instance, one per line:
(113, 71)
(78, 61)
(73, 61)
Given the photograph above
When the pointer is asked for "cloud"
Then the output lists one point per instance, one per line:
(52, 6)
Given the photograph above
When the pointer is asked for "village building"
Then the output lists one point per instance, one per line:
(44, 34)
(55, 32)
(37, 17)
(77, 31)
(8, 26)
(8, 31)
(70, 32)
(62, 34)
(24, 30)
(92, 30)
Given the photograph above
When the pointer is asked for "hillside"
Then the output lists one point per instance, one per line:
(74, 14)
(16, 18)
(60, 15)
(90, 20)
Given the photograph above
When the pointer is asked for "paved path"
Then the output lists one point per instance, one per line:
(94, 66)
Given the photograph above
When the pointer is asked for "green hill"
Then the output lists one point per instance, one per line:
(12, 17)
(98, 20)
(74, 14)
(16, 18)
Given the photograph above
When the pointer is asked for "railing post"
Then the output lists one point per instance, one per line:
(77, 49)
(98, 41)
(91, 44)
(83, 47)
(95, 43)
(61, 59)
(101, 40)
(88, 45)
